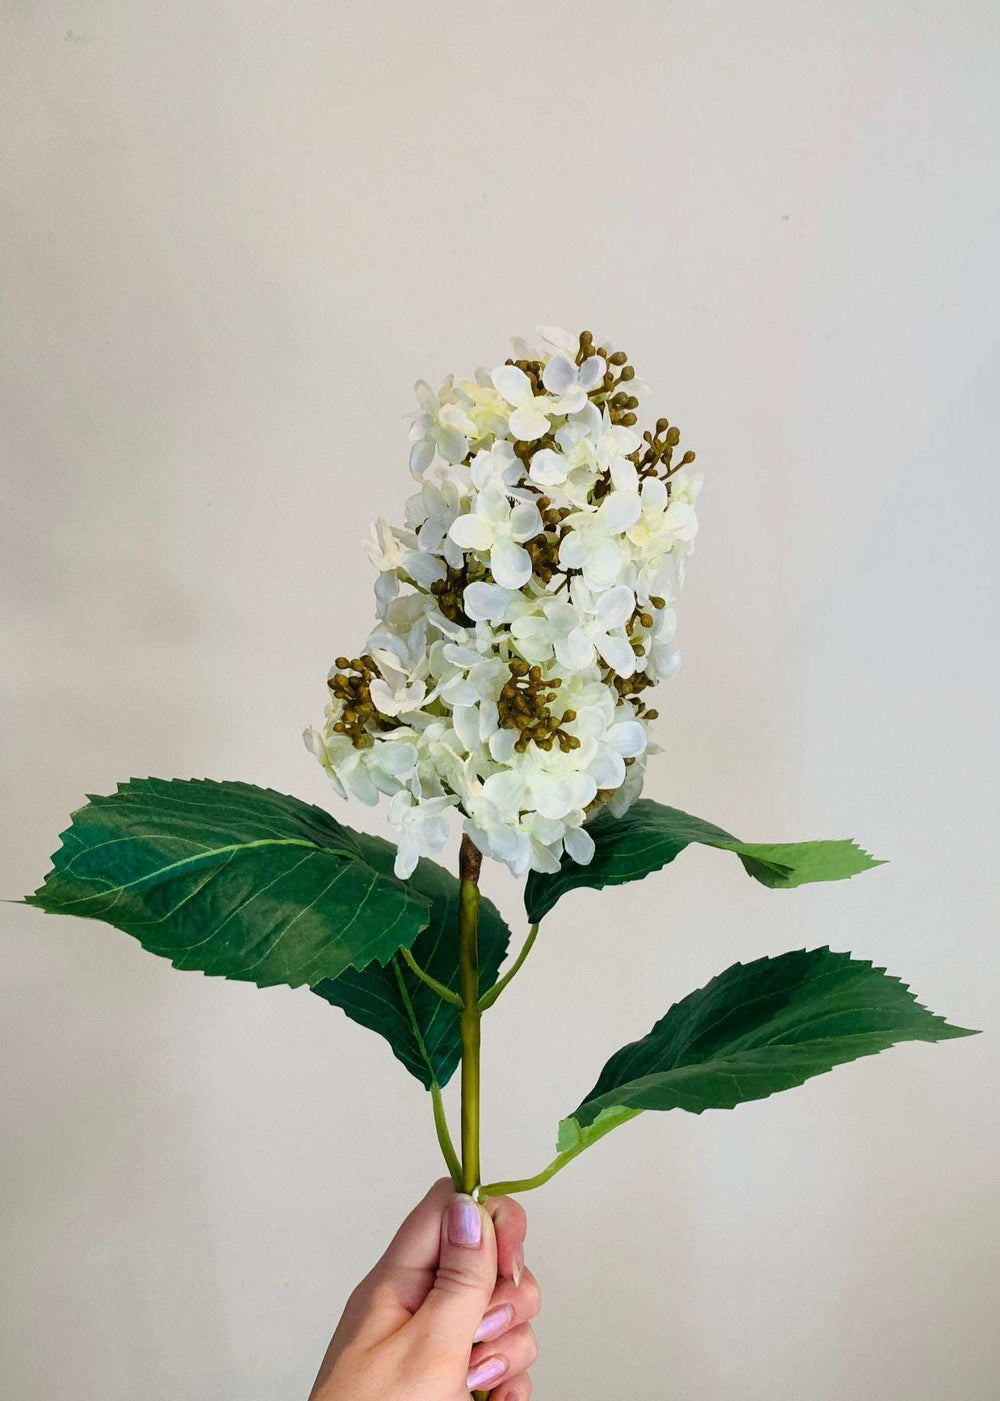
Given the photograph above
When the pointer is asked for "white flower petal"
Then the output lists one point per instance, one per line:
(628, 737)
(434, 834)
(607, 768)
(570, 402)
(426, 397)
(552, 796)
(615, 607)
(666, 660)
(548, 467)
(573, 551)
(386, 589)
(527, 424)
(465, 719)
(510, 564)
(502, 745)
(507, 791)
(458, 691)
(575, 651)
(421, 456)
(560, 617)
(559, 375)
(396, 758)
(618, 511)
(471, 532)
(654, 494)
(383, 698)
(603, 566)
(579, 844)
(460, 656)
(489, 719)
(544, 859)
(486, 602)
(617, 653)
(558, 339)
(423, 568)
(358, 783)
(513, 384)
(624, 474)
(589, 420)
(525, 522)
(407, 854)
(591, 372)
(452, 444)
(681, 518)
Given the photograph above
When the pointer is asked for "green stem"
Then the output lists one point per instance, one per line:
(528, 1184)
(445, 993)
(488, 998)
(470, 861)
(444, 1135)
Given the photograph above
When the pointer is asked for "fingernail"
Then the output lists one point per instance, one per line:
(517, 1269)
(486, 1373)
(494, 1322)
(465, 1225)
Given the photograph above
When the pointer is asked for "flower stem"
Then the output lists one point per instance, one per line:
(469, 863)
(488, 998)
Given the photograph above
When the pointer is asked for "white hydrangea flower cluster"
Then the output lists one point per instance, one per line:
(523, 609)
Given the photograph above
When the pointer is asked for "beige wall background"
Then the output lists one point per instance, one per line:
(234, 235)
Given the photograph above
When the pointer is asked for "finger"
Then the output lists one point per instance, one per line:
(466, 1274)
(400, 1282)
(509, 1306)
(517, 1388)
(492, 1363)
(416, 1245)
(511, 1226)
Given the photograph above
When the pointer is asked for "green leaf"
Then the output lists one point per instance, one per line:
(756, 1029)
(377, 997)
(237, 881)
(650, 835)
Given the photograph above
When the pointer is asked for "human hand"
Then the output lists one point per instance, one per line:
(444, 1312)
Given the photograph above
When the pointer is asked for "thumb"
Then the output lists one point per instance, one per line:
(466, 1273)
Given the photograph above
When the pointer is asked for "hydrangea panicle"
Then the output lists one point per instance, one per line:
(523, 610)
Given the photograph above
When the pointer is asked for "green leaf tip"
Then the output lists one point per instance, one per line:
(650, 835)
(756, 1029)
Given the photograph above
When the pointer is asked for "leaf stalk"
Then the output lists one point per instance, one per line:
(444, 1136)
(445, 993)
(528, 1184)
(488, 998)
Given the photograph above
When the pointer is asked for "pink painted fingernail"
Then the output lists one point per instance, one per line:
(485, 1373)
(465, 1225)
(517, 1269)
(494, 1322)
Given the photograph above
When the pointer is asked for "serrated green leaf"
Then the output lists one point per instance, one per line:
(382, 998)
(650, 835)
(756, 1029)
(232, 880)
